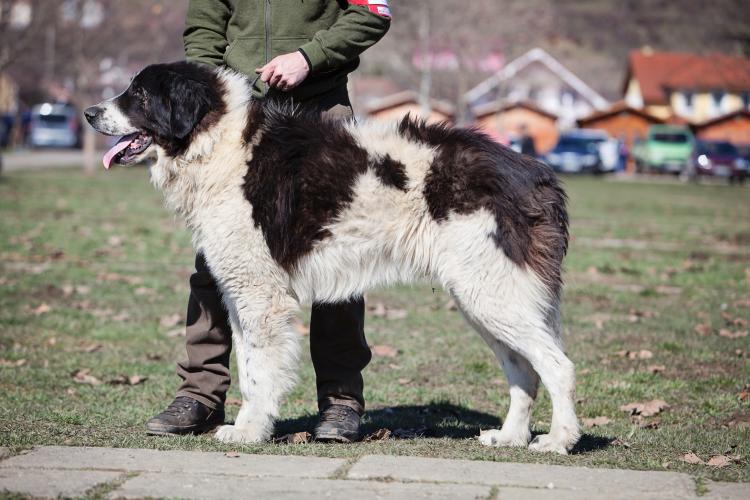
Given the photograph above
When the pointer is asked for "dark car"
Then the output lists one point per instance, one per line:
(576, 152)
(717, 159)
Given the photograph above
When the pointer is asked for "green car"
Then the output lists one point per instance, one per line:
(667, 149)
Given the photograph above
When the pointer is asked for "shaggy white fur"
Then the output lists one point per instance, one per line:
(384, 236)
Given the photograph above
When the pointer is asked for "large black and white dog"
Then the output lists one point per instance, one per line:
(290, 207)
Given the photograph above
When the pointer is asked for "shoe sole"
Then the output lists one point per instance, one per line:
(181, 432)
(336, 438)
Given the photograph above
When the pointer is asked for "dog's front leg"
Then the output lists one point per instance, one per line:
(267, 350)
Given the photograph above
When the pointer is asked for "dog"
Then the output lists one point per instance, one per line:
(292, 207)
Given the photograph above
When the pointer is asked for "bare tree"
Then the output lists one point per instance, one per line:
(16, 39)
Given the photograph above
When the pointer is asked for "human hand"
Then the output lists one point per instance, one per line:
(285, 71)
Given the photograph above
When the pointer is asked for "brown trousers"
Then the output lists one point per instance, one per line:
(337, 340)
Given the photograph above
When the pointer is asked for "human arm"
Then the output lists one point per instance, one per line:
(358, 28)
(205, 31)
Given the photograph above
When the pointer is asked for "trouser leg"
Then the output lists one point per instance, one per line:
(339, 353)
(205, 373)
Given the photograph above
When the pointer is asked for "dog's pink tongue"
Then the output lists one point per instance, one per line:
(122, 143)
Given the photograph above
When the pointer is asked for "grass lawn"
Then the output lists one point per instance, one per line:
(94, 277)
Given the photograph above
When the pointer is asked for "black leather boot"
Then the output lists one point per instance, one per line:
(185, 416)
(338, 423)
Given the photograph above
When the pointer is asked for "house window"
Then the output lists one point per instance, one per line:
(717, 96)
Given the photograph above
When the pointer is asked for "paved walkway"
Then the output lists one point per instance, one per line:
(127, 473)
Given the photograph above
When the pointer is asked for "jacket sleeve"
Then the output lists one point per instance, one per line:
(205, 36)
(356, 30)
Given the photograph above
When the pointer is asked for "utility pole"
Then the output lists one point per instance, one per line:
(425, 86)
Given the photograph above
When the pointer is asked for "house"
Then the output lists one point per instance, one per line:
(396, 106)
(539, 79)
(502, 122)
(733, 127)
(621, 121)
(693, 87)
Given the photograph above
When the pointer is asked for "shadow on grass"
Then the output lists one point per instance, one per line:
(435, 420)
(438, 419)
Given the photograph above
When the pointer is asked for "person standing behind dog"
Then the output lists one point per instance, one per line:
(301, 50)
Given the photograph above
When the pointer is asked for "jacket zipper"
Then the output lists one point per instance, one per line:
(267, 20)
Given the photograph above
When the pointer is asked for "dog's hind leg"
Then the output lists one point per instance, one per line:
(266, 349)
(509, 307)
(523, 382)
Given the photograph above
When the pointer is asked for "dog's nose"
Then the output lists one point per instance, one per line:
(91, 113)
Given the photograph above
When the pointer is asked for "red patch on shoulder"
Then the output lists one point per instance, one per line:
(379, 7)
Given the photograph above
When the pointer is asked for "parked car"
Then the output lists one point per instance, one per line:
(666, 149)
(579, 151)
(54, 125)
(717, 159)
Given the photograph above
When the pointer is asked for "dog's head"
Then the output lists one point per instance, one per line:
(163, 106)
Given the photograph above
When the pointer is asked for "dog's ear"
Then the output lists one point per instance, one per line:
(190, 101)
(183, 105)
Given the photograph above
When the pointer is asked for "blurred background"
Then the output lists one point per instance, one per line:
(589, 86)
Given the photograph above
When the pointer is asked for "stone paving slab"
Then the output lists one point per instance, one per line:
(53, 483)
(219, 487)
(143, 460)
(726, 491)
(580, 479)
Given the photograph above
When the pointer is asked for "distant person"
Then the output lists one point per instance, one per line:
(527, 142)
(303, 51)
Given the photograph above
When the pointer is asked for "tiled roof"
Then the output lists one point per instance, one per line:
(617, 108)
(658, 71)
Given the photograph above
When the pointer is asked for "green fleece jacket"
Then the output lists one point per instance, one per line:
(245, 34)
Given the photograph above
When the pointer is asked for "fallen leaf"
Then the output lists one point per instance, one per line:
(743, 395)
(12, 363)
(719, 461)
(92, 348)
(176, 332)
(83, 376)
(233, 402)
(154, 357)
(394, 314)
(739, 420)
(295, 438)
(127, 380)
(114, 241)
(232, 454)
(691, 458)
(42, 308)
(170, 320)
(404, 381)
(642, 354)
(121, 317)
(620, 442)
(451, 305)
(142, 290)
(71, 392)
(379, 435)
(645, 408)
(596, 421)
(656, 369)
(51, 341)
(732, 335)
(377, 310)
(384, 350)
(703, 329)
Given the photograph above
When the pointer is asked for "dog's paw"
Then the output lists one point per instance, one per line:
(234, 434)
(545, 443)
(495, 437)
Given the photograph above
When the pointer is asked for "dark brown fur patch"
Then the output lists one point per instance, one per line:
(302, 175)
(391, 172)
(470, 172)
